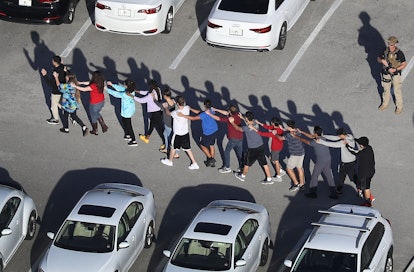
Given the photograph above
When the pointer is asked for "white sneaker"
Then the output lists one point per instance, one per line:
(277, 178)
(224, 170)
(193, 166)
(167, 162)
(282, 172)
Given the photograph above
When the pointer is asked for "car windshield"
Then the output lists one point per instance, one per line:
(86, 237)
(314, 260)
(202, 255)
(245, 6)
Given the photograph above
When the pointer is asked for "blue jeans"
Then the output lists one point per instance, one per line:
(167, 135)
(95, 111)
(237, 145)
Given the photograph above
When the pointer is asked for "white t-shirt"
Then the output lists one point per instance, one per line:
(180, 124)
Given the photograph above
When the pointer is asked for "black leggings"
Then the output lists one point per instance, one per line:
(127, 125)
(72, 115)
(157, 122)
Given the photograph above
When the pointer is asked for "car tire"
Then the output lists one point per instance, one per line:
(389, 263)
(149, 236)
(70, 15)
(282, 37)
(31, 226)
(169, 21)
(264, 254)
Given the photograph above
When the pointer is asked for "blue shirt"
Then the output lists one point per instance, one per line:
(68, 102)
(208, 124)
(127, 102)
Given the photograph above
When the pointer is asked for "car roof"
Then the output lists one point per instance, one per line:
(111, 195)
(224, 212)
(347, 225)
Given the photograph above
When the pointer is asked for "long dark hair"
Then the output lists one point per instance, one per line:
(153, 85)
(130, 86)
(99, 80)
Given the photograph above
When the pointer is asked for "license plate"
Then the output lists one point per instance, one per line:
(124, 12)
(236, 31)
(26, 3)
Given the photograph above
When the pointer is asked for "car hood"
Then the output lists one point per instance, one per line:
(63, 260)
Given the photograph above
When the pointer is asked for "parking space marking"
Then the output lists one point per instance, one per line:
(76, 39)
(407, 69)
(310, 39)
(188, 45)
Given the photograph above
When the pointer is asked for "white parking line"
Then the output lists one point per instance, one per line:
(188, 46)
(76, 39)
(312, 36)
(407, 69)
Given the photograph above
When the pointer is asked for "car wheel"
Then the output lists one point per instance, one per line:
(389, 262)
(264, 254)
(282, 37)
(31, 226)
(168, 21)
(149, 235)
(70, 15)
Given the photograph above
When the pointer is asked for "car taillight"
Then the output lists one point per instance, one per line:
(211, 25)
(102, 6)
(262, 30)
(151, 10)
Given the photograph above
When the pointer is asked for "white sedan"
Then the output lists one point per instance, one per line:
(253, 25)
(17, 221)
(227, 235)
(105, 232)
(144, 17)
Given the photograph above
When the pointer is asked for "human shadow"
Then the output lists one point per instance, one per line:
(5, 179)
(370, 38)
(42, 58)
(297, 218)
(184, 205)
(64, 196)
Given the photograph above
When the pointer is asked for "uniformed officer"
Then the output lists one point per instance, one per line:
(393, 62)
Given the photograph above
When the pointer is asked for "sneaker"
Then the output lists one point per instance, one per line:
(132, 143)
(143, 138)
(302, 187)
(398, 110)
(212, 162)
(372, 198)
(282, 172)
(207, 162)
(85, 131)
(277, 178)
(127, 138)
(240, 176)
(294, 188)
(267, 181)
(52, 121)
(162, 146)
(166, 162)
(193, 166)
(64, 130)
(224, 170)
(382, 107)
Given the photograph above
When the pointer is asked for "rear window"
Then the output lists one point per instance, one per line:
(96, 211)
(212, 228)
(245, 6)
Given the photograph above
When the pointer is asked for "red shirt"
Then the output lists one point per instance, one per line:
(277, 144)
(96, 96)
(233, 133)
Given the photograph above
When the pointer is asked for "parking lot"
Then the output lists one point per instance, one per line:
(325, 76)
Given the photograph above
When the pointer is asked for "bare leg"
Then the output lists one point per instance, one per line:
(292, 175)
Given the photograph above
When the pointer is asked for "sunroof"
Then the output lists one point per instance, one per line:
(212, 228)
(96, 211)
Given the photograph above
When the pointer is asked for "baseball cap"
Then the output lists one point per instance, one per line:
(392, 40)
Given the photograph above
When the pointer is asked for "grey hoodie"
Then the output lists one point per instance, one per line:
(336, 142)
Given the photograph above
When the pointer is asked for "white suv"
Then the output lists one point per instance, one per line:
(347, 238)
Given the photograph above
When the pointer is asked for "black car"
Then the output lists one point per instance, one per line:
(38, 11)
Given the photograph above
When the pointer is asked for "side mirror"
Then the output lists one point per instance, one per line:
(123, 244)
(288, 263)
(6, 232)
(241, 263)
(166, 253)
(51, 235)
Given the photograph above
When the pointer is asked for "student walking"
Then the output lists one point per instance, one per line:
(181, 134)
(95, 87)
(255, 148)
(70, 102)
(167, 104)
(126, 93)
